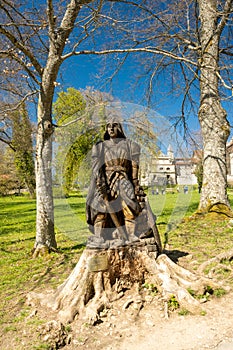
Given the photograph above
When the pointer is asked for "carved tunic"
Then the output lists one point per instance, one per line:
(115, 165)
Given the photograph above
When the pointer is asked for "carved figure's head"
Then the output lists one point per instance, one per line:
(114, 129)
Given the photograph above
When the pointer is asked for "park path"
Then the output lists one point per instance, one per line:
(212, 331)
(151, 331)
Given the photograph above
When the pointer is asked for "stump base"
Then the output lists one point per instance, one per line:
(102, 276)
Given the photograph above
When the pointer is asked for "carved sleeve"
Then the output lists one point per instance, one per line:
(135, 155)
(98, 168)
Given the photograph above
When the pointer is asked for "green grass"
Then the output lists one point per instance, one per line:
(170, 209)
(202, 238)
(20, 273)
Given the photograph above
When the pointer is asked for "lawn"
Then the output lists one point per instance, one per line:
(202, 238)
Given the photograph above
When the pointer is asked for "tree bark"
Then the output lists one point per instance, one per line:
(45, 235)
(213, 119)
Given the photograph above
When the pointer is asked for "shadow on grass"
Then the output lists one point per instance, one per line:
(192, 208)
(15, 203)
(64, 264)
(10, 242)
(174, 255)
(74, 206)
(78, 246)
(8, 229)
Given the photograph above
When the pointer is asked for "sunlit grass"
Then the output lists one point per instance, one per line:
(19, 272)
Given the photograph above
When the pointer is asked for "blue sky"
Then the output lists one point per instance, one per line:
(83, 71)
(80, 72)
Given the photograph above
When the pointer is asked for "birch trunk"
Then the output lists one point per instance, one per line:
(212, 116)
(45, 236)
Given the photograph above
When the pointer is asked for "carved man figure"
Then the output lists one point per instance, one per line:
(112, 199)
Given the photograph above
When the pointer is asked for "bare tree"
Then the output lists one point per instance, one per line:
(212, 116)
(33, 44)
(192, 41)
(35, 41)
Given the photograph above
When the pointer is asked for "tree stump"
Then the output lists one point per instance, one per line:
(102, 276)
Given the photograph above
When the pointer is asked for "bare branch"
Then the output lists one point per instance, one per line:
(226, 12)
(9, 143)
(226, 52)
(51, 17)
(129, 50)
(224, 84)
(13, 55)
(69, 123)
(24, 98)
(23, 48)
(12, 19)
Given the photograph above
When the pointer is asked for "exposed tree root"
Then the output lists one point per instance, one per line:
(102, 276)
(222, 209)
(172, 279)
(42, 250)
(219, 260)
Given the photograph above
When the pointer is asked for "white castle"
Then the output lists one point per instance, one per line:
(165, 169)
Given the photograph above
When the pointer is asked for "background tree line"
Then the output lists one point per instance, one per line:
(17, 165)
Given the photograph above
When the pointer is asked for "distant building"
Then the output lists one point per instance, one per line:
(165, 170)
(161, 170)
(185, 171)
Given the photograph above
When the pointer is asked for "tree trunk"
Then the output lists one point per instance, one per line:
(104, 276)
(212, 117)
(45, 236)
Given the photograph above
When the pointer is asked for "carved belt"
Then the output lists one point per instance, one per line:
(117, 168)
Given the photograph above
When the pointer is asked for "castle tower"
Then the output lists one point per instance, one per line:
(170, 153)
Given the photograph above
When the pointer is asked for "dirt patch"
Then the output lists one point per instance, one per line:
(126, 328)
(149, 329)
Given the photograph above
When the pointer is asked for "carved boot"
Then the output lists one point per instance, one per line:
(97, 241)
(98, 229)
(130, 228)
